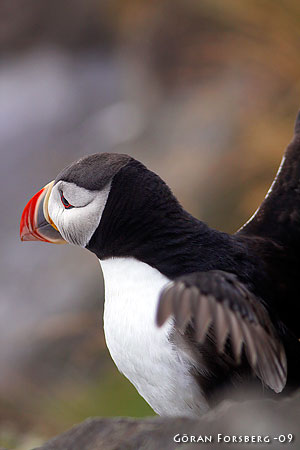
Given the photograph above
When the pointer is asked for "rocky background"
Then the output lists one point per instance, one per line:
(204, 93)
(253, 424)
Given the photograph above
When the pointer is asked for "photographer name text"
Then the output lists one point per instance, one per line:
(234, 439)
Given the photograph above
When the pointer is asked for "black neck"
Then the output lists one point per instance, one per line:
(143, 219)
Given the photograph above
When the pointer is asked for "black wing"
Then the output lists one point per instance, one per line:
(278, 217)
(217, 301)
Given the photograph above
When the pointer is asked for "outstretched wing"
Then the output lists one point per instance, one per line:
(278, 217)
(216, 301)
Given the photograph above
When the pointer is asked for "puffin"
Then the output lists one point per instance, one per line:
(191, 313)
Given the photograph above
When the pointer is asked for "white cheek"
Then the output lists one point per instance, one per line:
(77, 225)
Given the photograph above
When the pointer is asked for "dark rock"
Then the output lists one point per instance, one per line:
(261, 419)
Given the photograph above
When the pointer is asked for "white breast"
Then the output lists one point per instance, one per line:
(141, 350)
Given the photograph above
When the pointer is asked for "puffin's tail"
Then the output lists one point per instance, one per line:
(278, 217)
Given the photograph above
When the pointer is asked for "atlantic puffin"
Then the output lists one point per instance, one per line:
(190, 312)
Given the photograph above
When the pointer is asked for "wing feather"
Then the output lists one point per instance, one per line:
(221, 326)
(236, 335)
(203, 317)
(184, 309)
(217, 301)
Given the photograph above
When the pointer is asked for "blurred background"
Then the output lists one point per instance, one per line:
(205, 93)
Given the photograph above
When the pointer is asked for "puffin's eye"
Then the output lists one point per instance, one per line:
(65, 202)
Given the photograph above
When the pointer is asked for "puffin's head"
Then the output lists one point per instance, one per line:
(69, 209)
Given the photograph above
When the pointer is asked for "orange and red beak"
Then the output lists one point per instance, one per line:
(36, 224)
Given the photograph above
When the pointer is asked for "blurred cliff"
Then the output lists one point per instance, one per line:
(204, 93)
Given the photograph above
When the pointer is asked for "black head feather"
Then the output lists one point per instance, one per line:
(94, 172)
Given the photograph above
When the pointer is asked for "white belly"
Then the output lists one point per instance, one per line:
(141, 350)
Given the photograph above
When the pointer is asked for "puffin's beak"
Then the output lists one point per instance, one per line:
(36, 224)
